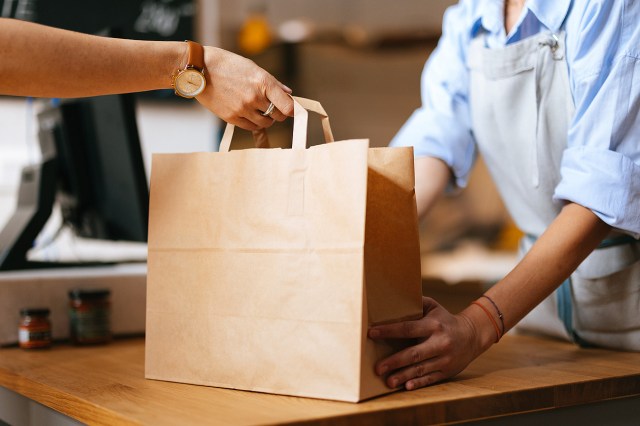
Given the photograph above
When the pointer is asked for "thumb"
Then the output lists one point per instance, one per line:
(428, 305)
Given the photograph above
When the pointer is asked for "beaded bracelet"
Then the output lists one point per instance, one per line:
(497, 310)
(493, 321)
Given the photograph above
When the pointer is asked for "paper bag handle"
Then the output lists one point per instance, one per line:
(301, 118)
(300, 122)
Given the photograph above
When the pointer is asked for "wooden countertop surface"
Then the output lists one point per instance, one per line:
(106, 385)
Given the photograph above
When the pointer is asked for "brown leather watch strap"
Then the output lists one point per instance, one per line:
(196, 55)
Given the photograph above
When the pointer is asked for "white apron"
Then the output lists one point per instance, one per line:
(521, 107)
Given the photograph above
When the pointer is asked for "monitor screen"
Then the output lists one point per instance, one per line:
(102, 187)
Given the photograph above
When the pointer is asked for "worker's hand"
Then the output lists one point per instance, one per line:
(446, 344)
(238, 91)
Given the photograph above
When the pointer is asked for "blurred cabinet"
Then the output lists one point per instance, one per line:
(372, 17)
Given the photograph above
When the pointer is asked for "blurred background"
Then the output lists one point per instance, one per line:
(361, 59)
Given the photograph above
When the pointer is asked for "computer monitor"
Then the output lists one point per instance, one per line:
(91, 151)
(102, 185)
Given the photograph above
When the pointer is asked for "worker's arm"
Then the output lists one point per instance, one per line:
(448, 343)
(432, 177)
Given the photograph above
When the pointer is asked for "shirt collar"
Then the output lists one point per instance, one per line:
(551, 14)
(489, 14)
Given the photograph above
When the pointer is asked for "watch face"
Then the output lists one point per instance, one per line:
(190, 83)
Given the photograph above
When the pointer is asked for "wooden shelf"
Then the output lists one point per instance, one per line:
(106, 385)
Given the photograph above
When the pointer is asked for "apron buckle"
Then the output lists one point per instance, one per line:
(553, 42)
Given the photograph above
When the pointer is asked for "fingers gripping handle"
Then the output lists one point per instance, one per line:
(300, 121)
(260, 138)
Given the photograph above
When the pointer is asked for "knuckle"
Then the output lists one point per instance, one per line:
(248, 102)
(414, 355)
(421, 382)
(446, 361)
(262, 81)
(287, 110)
(263, 78)
(447, 343)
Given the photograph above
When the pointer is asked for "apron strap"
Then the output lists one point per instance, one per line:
(565, 313)
(617, 241)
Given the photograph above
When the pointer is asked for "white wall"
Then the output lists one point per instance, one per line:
(163, 127)
(14, 149)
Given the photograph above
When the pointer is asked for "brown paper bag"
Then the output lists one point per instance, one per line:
(267, 266)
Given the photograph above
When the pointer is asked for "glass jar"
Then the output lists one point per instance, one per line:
(89, 316)
(34, 330)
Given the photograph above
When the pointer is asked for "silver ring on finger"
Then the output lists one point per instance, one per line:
(269, 110)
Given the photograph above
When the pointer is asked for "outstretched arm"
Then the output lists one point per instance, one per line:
(448, 343)
(42, 61)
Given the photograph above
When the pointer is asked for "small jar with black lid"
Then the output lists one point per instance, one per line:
(89, 316)
(34, 330)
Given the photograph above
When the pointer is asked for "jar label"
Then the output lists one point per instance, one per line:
(90, 325)
(34, 336)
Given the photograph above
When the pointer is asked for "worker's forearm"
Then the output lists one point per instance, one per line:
(432, 177)
(572, 236)
(47, 62)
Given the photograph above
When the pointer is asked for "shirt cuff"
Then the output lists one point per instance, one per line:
(604, 181)
(440, 138)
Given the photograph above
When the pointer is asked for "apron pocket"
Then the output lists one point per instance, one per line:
(607, 261)
(608, 304)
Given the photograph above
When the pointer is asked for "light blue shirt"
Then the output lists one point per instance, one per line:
(601, 165)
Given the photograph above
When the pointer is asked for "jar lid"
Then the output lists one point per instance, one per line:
(34, 311)
(93, 294)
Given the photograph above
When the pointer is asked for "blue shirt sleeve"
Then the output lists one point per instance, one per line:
(441, 128)
(600, 168)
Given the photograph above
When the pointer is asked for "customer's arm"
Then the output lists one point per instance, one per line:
(42, 61)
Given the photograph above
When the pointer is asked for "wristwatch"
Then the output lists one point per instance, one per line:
(189, 82)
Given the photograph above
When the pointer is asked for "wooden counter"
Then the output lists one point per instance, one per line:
(106, 385)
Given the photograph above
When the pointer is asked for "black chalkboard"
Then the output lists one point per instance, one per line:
(136, 19)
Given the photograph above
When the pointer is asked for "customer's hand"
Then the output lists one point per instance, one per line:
(446, 344)
(238, 91)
